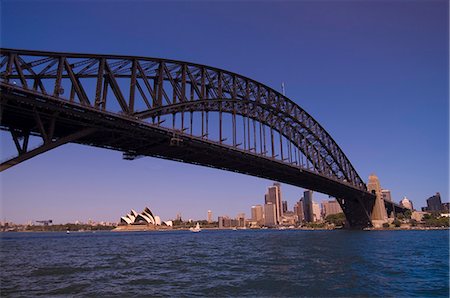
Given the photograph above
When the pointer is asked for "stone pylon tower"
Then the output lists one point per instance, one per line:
(379, 214)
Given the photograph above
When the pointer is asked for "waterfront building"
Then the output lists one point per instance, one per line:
(434, 203)
(145, 217)
(379, 214)
(317, 214)
(240, 220)
(258, 214)
(270, 214)
(224, 222)
(405, 202)
(289, 218)
(210, 216)
(273, 196)
(331, 207)
(386, 194)
(227, 222)
(308, 206)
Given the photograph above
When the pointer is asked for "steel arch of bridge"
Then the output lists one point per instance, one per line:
(172, 96)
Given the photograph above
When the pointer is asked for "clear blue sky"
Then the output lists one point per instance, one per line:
(373, 73)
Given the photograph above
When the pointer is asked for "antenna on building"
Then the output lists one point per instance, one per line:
(283, 91)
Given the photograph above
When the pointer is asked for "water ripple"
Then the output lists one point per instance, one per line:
(226, 264)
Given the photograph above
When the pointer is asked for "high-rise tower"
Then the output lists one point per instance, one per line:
(308, 206)
(298, 210)
(273, 196)
(280, 202)
(257, 214)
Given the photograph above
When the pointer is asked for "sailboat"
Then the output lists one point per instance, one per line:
(196, 229)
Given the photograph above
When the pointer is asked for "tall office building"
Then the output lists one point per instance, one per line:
(280, 202)
(386, 194)
(270, 214)
(405, 202)
(331, 207)
(379, 210)
(285, 207)
(434, 203)
(258, 214)
(298, 210)
(209, 216)
(317, 214)
(273, 196)
(308, 206)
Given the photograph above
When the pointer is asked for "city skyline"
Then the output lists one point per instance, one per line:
(326, 204)
(346, 79)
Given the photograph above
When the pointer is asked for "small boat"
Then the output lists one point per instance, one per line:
(196, 229)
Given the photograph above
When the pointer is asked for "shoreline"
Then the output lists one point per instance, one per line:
(157, 229)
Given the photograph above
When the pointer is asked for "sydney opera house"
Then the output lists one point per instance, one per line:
(146, 217)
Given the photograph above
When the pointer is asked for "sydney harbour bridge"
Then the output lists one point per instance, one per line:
(174, 110)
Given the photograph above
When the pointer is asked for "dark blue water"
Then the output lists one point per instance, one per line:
(226, 263)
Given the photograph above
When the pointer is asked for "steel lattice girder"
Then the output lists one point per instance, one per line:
(167, 87)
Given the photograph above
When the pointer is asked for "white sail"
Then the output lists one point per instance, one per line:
(196, 229)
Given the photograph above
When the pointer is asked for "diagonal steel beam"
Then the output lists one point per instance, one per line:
(45, 147)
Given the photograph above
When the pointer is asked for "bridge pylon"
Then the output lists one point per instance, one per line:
(379, 215)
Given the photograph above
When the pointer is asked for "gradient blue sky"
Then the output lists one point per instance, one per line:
(373, 73)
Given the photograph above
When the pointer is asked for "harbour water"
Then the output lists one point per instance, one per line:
(226, 263)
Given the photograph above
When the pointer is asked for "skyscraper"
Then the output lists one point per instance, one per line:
(285, 207)
(434, 203)
(379, 210)
(209, 216)
(270, 214)
(273, 196)
(405, 202)
(280, 202)
(258, 214)
(298, 210)
(308, 206)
